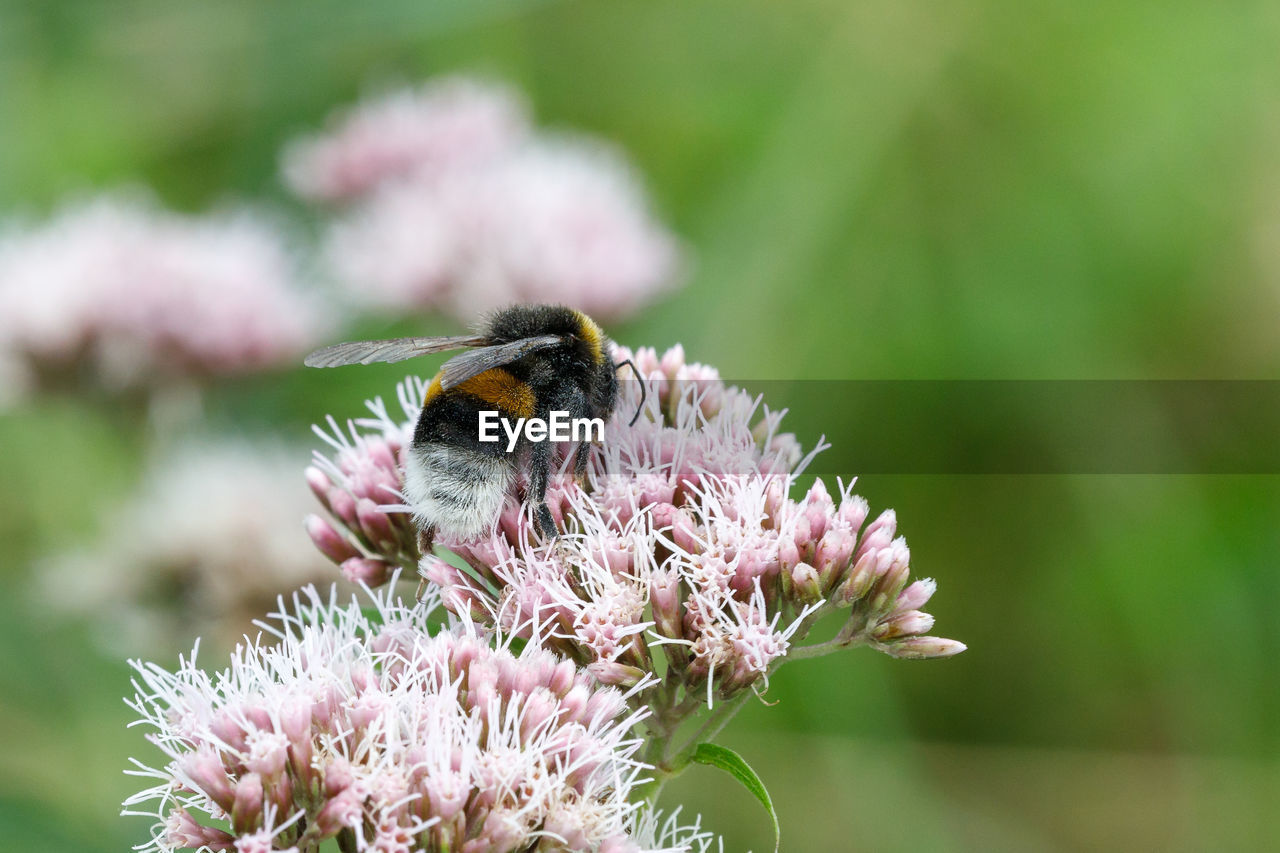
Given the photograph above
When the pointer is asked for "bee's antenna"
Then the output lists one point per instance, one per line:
(644, 392)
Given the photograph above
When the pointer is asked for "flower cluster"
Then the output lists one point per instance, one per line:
(684, 543)
(454, 202)
(358, 725)
(132, 296)
(427, 132)
(206, 544)
(355, 486)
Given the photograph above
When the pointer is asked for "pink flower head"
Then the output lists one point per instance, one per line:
(447, 125)
(361, 486)
(131, 295)
(685, 543)
(415, 742)
(457, 205)
(559, 221)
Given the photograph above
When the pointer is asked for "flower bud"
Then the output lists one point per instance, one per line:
(832, 556)
(319, 483)
(646, 360)
(330, 542)
(574, 703)
(338, 776)
(664, 597)
(375, 524)
(342, 810)
(684, 532)
(893, 576)
(228, 728)
(904, 624)
(917, 594)
(205, 770)
(246, 810)
(788, 554)
(861, 576)
(540, 709)
(615, 674)
(447, 792)
(672, 360)
(653, 489)
(604, 705)
(853, 512)
(182, 831)
(817, 509)
(295, 723)
(806, 584)
(775, 499)
(879, 533)
(343, 506)
(381, 454)
(268, 753)
(803, 535)
(510, 520)
(919, 648)
(369, 571)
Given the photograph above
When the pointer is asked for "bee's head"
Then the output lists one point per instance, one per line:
(595, 347)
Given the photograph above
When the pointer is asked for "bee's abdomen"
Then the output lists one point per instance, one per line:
(456, 490)
(499, 389)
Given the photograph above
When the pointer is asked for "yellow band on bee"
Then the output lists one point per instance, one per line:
(590, 332)
(496, 387)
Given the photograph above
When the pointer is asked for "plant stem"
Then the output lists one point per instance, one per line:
(714, 724)
(817, 651)
(669, 714)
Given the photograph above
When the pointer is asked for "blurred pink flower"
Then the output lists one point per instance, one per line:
(459, 206)
(450, 124)
(208, 542)
(357, 721)
(133, 295)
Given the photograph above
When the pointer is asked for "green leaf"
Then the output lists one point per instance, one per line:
(733, 764)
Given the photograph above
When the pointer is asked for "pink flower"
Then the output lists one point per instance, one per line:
(449, 124)
(559, 221)
(684, 544)
(455, 204)
(133, 295)
(412, 741)
(207, 543)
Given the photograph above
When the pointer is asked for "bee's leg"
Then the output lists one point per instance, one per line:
(580, 459)
(426, 539)
(539, 471)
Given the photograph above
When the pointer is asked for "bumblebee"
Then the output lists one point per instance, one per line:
(526, 361)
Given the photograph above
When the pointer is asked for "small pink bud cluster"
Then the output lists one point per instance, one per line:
(128, 295)
(367, 531)
(363, 727)
(685, 544)
(455, 202)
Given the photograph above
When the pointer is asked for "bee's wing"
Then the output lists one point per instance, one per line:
(395, 349)
(462, 367)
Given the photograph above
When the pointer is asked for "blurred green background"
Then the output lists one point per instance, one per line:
(889, 189)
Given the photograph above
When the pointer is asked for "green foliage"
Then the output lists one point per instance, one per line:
(885, 189)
